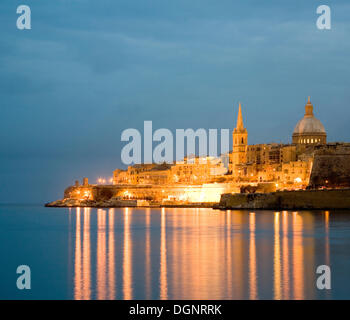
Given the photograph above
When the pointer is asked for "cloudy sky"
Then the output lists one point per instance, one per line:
(90, 69)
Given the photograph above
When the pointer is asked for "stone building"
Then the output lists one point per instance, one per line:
(288, 166)
(197, 170)
(190, 171)
(143, 174)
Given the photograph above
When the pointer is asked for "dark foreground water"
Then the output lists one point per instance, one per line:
(173, 253)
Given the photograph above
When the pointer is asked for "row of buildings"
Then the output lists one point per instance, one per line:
(308, 162)
(192, 172)
(287, 166)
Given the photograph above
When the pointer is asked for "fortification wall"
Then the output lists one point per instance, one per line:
(331, 167)
(91, 192)
(193, 193)
(288, 200)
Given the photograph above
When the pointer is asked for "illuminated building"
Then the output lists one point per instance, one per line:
(307, 162)
(287, 166)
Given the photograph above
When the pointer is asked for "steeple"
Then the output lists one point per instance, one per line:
(240, 125)
(240, 142)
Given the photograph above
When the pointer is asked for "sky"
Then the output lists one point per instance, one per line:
(87, 70)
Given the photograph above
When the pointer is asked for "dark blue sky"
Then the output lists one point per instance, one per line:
(89, 69)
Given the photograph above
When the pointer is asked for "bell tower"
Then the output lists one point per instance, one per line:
(240, 141)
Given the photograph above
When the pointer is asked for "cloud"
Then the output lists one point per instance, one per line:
(89, 69)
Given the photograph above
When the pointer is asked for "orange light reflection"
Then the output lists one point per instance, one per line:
(252, 259)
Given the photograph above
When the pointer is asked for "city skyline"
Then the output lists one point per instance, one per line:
(82, 75)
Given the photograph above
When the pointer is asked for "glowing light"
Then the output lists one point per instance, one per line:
(102, 180)
(127, 194)
(207, 193)
(87, 194)
(298, 180)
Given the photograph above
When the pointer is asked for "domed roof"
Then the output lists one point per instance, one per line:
(309, 124)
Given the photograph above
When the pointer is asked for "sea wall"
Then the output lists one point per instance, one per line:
(288, 200)
(193, 193)
(205, 195)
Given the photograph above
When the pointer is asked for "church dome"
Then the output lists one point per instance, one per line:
(309, 129)
(309, 125)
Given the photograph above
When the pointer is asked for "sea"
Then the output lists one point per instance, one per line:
(173, 253)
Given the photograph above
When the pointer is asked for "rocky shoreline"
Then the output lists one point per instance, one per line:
(90, 203)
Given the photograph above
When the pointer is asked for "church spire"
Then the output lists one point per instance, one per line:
(240, 125)
(240, 142)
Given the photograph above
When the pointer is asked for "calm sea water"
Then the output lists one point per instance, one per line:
(173, 253)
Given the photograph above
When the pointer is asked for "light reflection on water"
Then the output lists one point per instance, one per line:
(197, 254)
